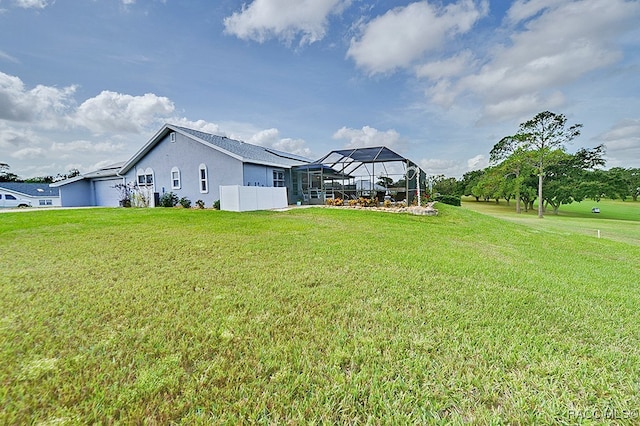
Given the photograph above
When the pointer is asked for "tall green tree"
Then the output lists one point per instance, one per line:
(6, 175)
(542, 134)
(626, 180)
(469, 181)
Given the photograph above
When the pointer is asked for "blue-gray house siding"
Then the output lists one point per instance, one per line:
(187, 162)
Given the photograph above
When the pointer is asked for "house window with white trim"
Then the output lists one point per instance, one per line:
(278, 178)
(45, 202)
(204, 181)
(175, 178)
(145, 177)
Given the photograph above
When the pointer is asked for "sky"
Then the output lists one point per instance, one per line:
(85, 84)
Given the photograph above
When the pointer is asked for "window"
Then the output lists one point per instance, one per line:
(145, 177)
(9, 197)
(45, 202)
(204, 184)
(278, 178)
(172, 136)
(175, 178)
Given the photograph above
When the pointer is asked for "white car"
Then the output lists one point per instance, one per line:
(9, 200)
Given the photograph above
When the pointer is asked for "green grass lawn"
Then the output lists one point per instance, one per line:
(617, 220)
(317, 315)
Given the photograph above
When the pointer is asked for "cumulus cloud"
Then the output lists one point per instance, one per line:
(28, 153)
(117, 112)
(367, 137)
(521, 10)
(452, 168)
(32, 4)
(478, 162)
(42, 103)
(200, 125)
(402, 35)
(557, 43)
(270, 138)
(284, 20)
(622, 142)
(78, 146)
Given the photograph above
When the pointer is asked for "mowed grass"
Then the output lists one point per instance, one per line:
(321, 315)
(617, 220)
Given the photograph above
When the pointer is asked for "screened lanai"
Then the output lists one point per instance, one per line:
(374, 172)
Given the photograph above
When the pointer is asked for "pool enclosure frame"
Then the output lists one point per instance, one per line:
(357, 172)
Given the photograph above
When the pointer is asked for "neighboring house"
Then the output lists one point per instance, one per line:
(187, 162)
(13, 194)
(91, 189)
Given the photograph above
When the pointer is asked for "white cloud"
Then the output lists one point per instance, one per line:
(28, 153)
(42, 103)
(559, 43)
(452, 168)
(477, 162)
(449, 67)
(271, 138)
(6, 56)
(78, 146)
(522, 10)
(622, 142)
(31, 4)
(117, 112)
(284, 19)
(402, 35)
(200, 125)
(367, 137)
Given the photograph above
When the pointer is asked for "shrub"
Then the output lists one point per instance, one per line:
(200, 204)
(216, 204)
(168, 199)
(329, 201)
(338, 202)
(453, 200)
(387, 203)
(185, 202)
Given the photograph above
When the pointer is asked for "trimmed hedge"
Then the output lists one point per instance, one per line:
(453, 200)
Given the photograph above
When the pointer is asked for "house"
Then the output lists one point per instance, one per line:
(184, 161)
(33, 194)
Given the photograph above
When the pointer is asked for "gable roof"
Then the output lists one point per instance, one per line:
(31, 189)
(105, 172)
(245, 152)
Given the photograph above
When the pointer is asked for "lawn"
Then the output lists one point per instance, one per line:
(617, 220)
(318, 315)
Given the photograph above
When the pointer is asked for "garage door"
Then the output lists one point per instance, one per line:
(105, 193)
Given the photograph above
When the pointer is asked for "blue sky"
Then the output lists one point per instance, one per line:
(84, 84)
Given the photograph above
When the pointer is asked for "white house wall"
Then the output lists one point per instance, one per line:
(187, 155)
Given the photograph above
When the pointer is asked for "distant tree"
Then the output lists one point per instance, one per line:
(516, 167)
(385, 181)
(542, 134)
(445, 186)
(70, 174)
(40, 179)
(6, 175)
(468, 181)
(626, 180)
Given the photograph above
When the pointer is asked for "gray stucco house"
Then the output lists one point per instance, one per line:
(184, 161)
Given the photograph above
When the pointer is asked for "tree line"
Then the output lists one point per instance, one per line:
(7, 176)
(533, 164)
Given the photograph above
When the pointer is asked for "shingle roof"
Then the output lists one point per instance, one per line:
(31, 189)
(247, 151)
